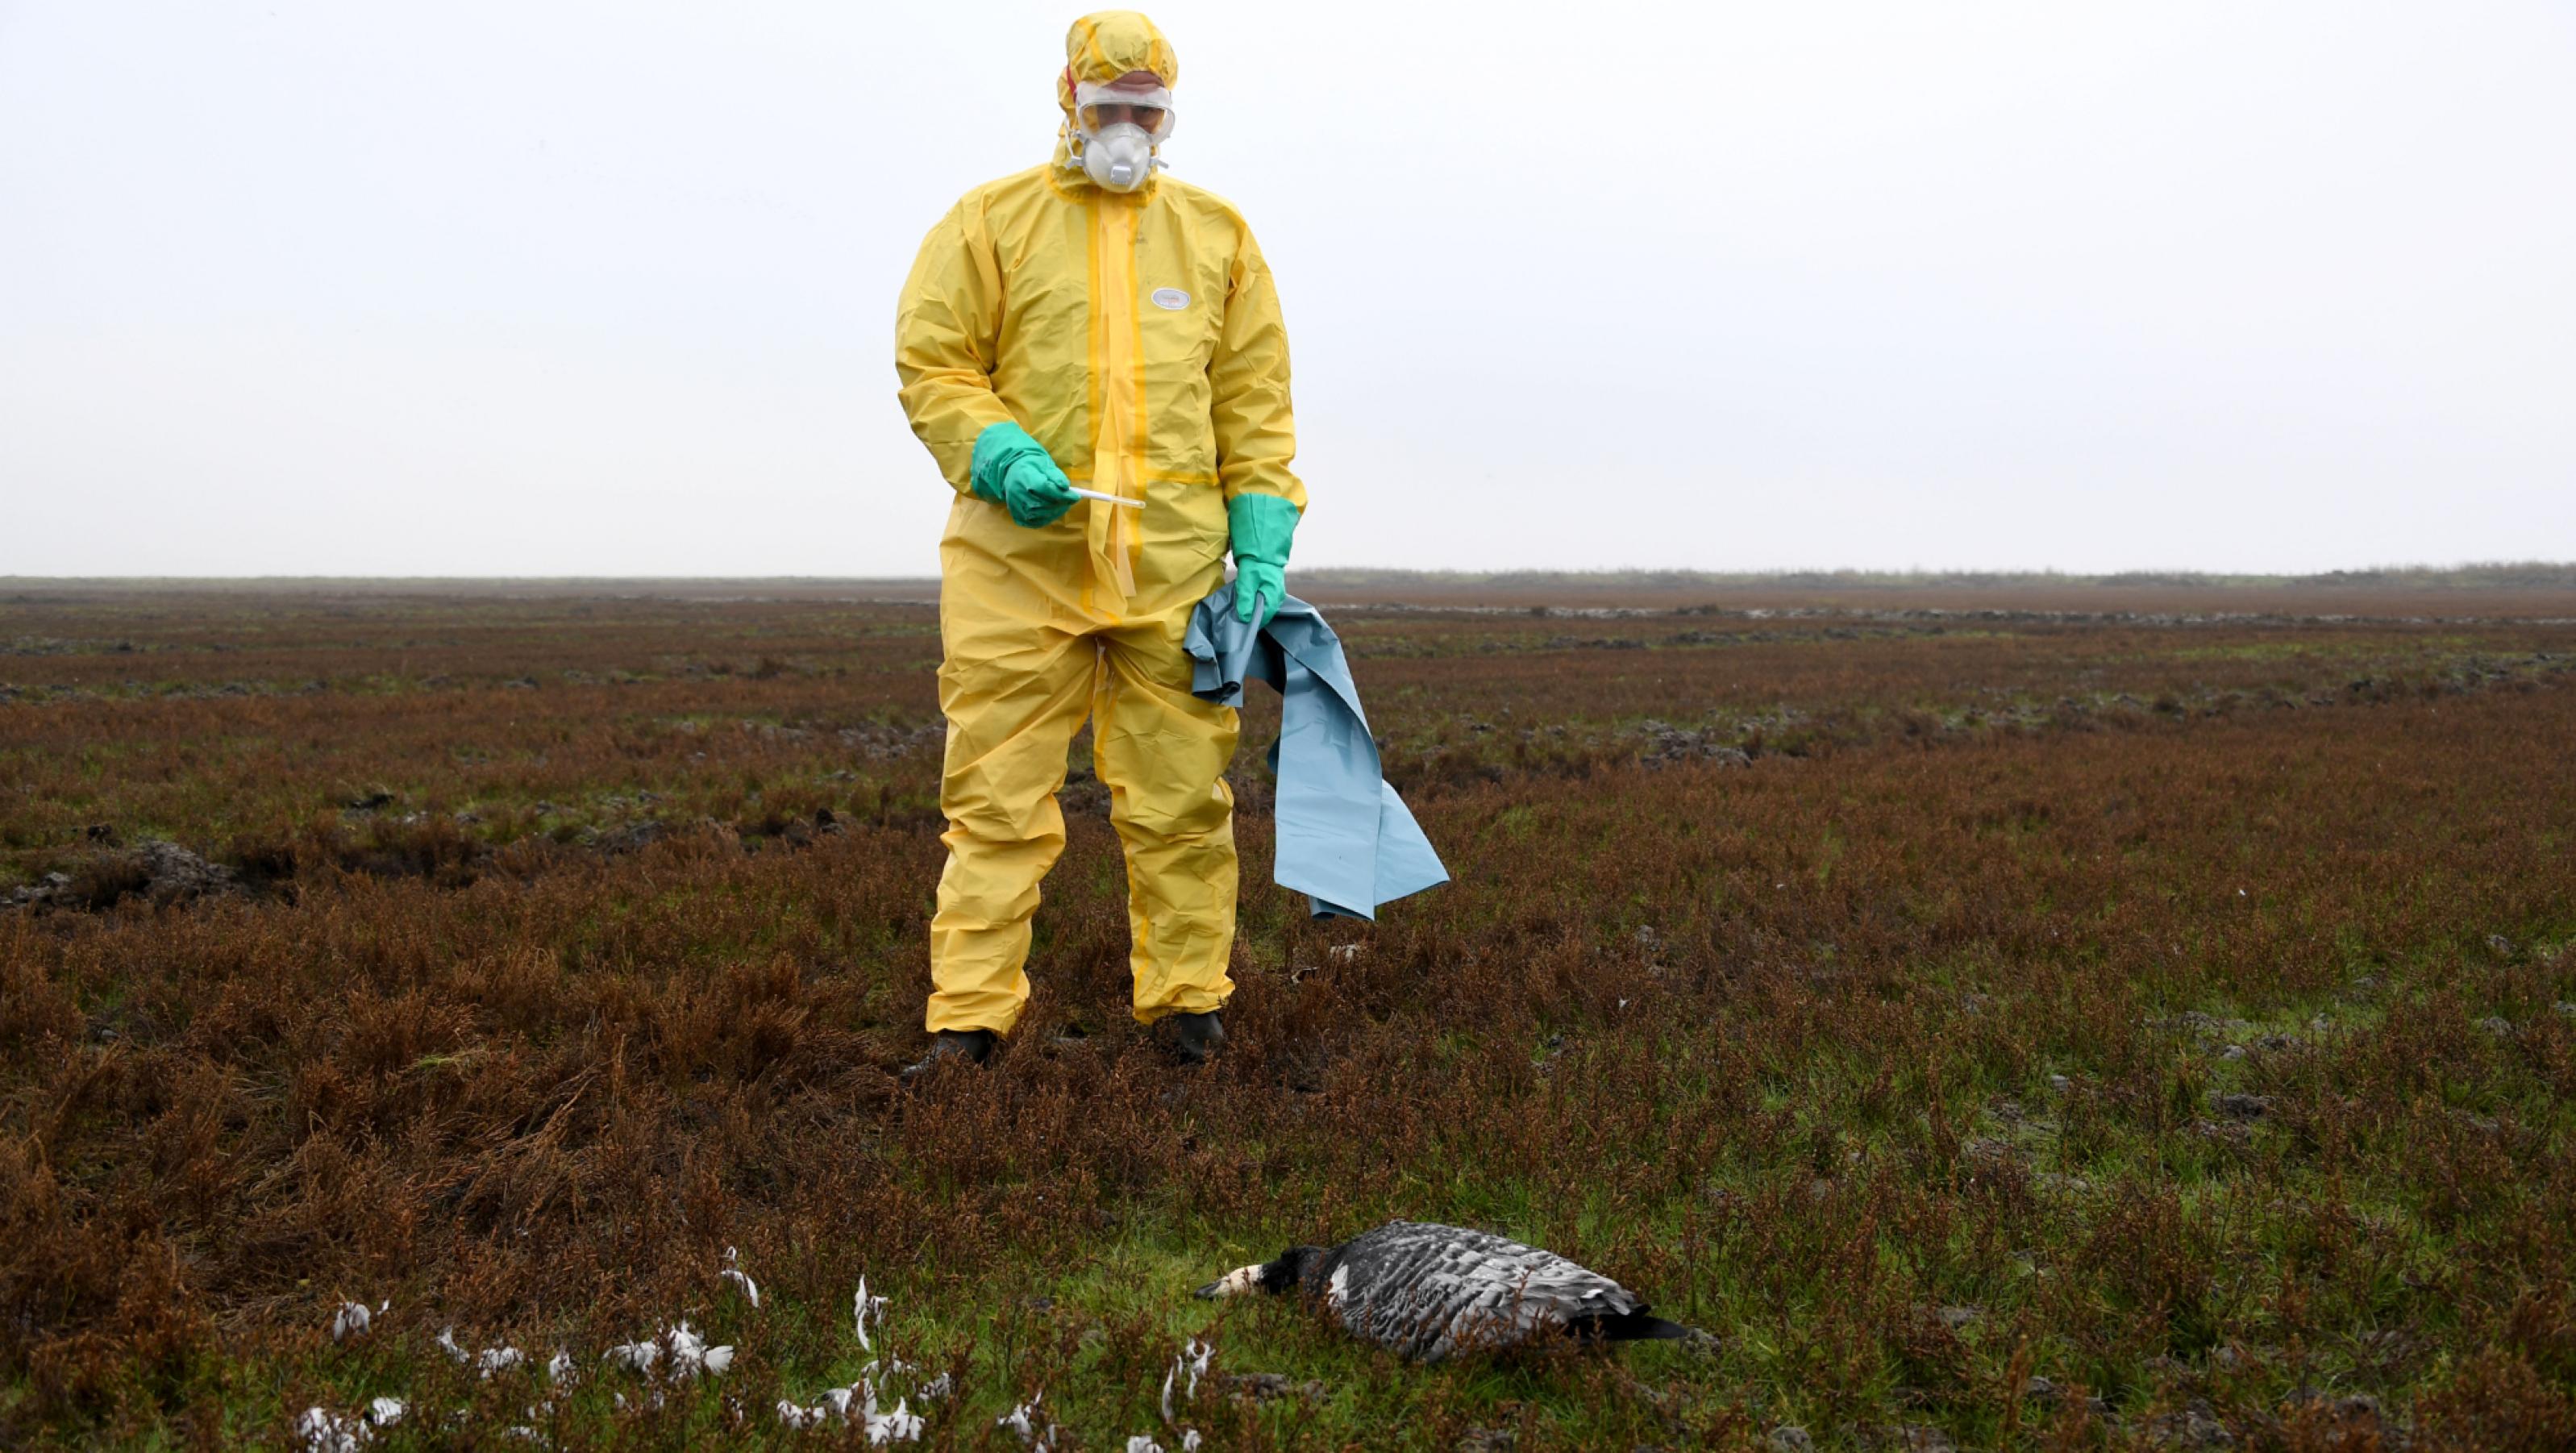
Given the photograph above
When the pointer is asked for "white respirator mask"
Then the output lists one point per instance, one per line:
(1119, 158)
(1115, 132)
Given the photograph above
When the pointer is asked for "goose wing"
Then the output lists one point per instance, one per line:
(1428, 1291)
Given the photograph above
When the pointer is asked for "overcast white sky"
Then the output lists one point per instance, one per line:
(557, 288)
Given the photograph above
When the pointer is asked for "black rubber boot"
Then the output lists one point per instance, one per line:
(1195, 1038)
(973, 1046)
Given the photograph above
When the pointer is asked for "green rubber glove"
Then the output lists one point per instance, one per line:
(1262, 525)
(1013, 471)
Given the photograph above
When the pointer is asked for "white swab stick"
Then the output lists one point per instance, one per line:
(1107, 499)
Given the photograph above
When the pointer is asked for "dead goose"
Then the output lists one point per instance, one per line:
(1429, 1291)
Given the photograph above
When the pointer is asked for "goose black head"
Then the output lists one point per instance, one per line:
(1293, 1268)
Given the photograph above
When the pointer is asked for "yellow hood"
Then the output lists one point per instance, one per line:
(1099, 49)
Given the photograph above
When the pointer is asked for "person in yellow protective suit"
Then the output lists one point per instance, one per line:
(1090, 321)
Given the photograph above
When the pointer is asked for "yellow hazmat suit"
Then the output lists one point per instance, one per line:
(1136, 336)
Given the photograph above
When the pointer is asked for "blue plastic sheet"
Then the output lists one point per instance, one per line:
(1345, 840)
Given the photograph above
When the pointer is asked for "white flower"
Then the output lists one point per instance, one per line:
(385, 1412)
(937, 1388)
(561, 1368)
(1141, 1443)
(637, 1355)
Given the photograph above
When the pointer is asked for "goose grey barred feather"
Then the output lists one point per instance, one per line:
(1430, 1292)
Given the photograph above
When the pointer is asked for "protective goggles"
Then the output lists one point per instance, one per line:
(1097, 106)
